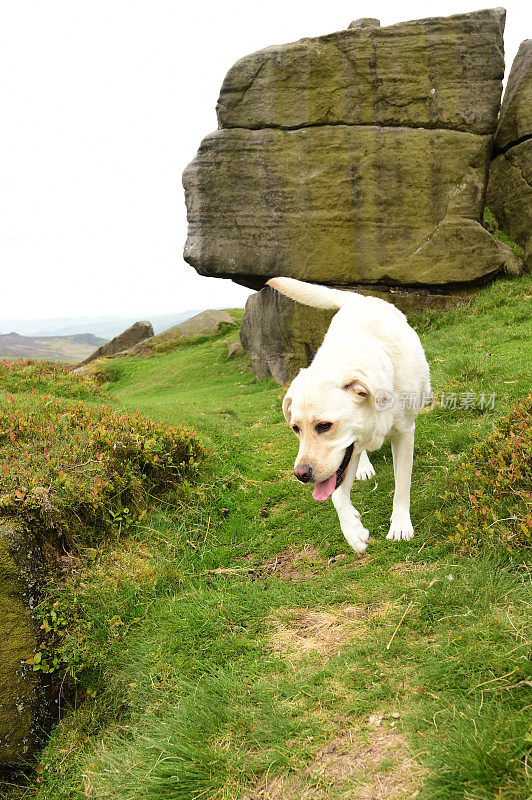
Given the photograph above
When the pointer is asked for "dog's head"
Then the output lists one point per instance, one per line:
(332, 418)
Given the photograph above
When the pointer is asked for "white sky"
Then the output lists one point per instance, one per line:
(103, 103)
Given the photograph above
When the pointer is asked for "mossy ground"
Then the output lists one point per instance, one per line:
(206, 669)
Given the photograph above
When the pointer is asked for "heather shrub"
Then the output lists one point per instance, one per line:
(27, 374)
(490, 492)
(72, 470)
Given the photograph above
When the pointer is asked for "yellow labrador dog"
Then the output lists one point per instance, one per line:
(367, 383)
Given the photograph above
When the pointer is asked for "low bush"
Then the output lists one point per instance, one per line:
(27, 374)
(490, 492)
(72, 470)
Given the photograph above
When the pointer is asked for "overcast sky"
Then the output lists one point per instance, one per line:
(103, 103)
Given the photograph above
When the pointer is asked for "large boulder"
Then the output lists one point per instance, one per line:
(509, 194)
(340, 205)
(23, 707)
(443, 72)
(124, 341)
(357, 157)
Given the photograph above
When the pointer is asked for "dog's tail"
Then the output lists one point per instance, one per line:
(310, 294)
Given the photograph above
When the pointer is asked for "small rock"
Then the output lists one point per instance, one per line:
(235, 349)
(364, 22)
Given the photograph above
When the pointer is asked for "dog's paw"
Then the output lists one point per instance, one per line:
(356, 534)
(364, 470)
(400, 527)
(365, 473)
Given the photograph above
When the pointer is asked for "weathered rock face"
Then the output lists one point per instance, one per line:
(124, 341)
(340, 205)
(510, 194)
(358, 157)
(280, 336)
(430, 73)
(21, 702)
(510, 185)
(515, 121)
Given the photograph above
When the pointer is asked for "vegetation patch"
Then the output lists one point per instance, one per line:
(74, 470)
(29, 375)
(490, 491)
(179, 691)
(491, 224)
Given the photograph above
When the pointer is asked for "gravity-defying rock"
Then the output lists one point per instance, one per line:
(359, 158)
(280, 336)
(22, 705)
(340, 205)
(443, 72)
(509, 194)
(515, 121)
(124, 341)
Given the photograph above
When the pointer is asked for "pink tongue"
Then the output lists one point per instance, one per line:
(322, 491)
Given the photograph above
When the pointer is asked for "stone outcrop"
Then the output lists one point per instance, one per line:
(206, 323)
(341, 205)
(22, 704)
(359, 158)
(510, 185)
(515, 120)
(431, 73)
(124, 341)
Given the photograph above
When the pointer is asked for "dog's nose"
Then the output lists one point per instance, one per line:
(303, 472)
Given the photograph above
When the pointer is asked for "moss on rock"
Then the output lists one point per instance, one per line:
(22, 703)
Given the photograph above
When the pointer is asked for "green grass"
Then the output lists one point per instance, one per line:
(193, 674)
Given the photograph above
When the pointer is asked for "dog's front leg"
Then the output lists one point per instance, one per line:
(403, 453)
(355, 533)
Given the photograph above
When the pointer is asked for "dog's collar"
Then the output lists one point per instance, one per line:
(340, 472)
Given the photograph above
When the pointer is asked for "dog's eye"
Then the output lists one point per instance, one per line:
(322, 427)
(295, 428)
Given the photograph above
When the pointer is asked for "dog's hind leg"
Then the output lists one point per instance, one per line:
(364, 469)
(403, 453)
(355, 533)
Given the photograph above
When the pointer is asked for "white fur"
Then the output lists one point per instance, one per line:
(369, 352)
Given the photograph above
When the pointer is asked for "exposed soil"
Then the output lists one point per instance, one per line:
(374, 761)
(297, 632)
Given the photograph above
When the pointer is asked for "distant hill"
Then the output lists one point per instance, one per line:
(107, 327)
(70, 349)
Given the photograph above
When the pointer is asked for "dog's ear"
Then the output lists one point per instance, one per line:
(359, 390)
(287, 403)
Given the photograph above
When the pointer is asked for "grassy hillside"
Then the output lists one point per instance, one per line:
(230, 645)
(70, 349)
